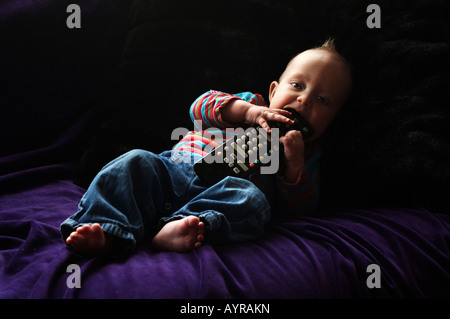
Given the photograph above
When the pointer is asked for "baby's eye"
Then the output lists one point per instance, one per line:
(322, 100)
(298, 86)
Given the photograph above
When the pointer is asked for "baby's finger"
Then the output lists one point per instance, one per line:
(282, 111)
(294, 134)
(279, 115)
(263, 123)
(292, 139)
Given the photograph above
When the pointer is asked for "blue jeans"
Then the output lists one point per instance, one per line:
(135, 195)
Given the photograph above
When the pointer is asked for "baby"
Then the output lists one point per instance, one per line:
(157, 198)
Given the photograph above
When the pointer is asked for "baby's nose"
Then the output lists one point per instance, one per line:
(304, 100)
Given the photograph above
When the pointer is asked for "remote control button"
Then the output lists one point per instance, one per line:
(239, 150)
(243, 166)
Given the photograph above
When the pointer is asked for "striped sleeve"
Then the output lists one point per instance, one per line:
(205, 111)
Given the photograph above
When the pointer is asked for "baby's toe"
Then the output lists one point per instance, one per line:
(84, 230)
(74, 235)
(192, 221)
(96, 228)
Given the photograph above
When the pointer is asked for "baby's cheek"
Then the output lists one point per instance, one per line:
(320, 125)
(325, 119)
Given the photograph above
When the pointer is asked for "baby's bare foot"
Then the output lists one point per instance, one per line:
(181, 235)
(89, 240)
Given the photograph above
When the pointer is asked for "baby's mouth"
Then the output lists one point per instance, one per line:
(300, 124)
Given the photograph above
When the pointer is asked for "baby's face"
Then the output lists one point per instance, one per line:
(315, 84)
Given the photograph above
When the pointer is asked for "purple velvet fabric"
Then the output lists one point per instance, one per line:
(304, 257)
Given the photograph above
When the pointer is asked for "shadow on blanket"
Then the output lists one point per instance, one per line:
(389, 146)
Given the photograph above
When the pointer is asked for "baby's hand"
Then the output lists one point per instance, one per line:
(261, 115)
(294, 155)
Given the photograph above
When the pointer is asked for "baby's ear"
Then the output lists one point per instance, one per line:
(273, 87)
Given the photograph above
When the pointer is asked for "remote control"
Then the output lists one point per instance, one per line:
(249, 151)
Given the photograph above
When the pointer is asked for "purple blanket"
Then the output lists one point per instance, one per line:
(297, 258)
